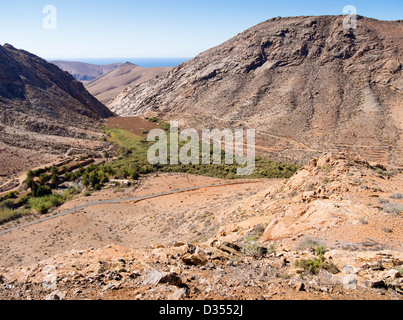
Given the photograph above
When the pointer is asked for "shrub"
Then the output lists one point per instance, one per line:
(293, 193)
(54, 170)
(363, 220)
(397, 196)
(43, 179)
(22, 201)
(308, 242)
(86, 182)
(394, 209)
(42, 191)
(271, 248)
(254, 250)
(384, 173)
(43, 204)
(313, 266)
(86, 193)
(94, 179)
(383, 201)
(37, 173)
(135, 175)
(320, 250)
(256, 233)
(11, 195)
(7, 215)
(42, 208)
(387, 230)
(69, 193)
(7, 204)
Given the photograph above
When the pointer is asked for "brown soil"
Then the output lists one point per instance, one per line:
(195, 238)
(186, 216)
(136, 125)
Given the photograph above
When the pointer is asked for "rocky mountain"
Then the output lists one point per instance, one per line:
(108, 86)
(85, 72)
(44, 112)
(306, 84)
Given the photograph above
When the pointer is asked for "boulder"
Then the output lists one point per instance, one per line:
(375, 284)
(179, 294)
(350, 282)
(55, 295)
(157, 277)
(195, 259)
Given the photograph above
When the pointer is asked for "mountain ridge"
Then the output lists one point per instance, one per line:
(110, 84)
(85, 72)
(44, 113)
(305, 84)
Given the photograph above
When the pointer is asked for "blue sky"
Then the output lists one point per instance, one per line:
(157, 28)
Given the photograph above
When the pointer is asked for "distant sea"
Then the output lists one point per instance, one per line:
(142, 62)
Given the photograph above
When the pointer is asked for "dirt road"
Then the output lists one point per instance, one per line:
(135, 199)
(165, 208)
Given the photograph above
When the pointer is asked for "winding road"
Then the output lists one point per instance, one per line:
(134, 199)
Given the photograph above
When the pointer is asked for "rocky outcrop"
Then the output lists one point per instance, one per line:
(114, 273)
(338, 195)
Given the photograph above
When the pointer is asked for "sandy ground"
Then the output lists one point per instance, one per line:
(187, 216)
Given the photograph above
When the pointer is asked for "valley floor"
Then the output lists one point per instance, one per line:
(186, 245)
(186, 216)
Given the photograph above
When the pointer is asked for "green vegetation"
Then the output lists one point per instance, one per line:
(133, 160)
(7, 215)
(14, 209)
(256, 233)
(319, 262)
(313, 266)
(250, 246)
(10, 195)
(383, 172)
(43, 204)
(254, 250)
(320, 250)
(131, 163)
(162, 124)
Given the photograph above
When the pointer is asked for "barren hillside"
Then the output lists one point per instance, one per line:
(44, 113)
(114, 82)
(85, 72)
(328, 233)
(305, 84)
